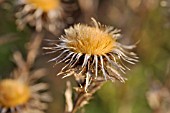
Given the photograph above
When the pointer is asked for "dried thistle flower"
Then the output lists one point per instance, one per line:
(23, 95)
(158, 97)
(90, 51)
(20, 95)
(40, 14)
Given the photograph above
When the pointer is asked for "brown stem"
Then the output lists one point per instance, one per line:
(83, 97)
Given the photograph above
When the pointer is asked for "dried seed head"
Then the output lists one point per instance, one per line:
(40, 14)
(92, 50)
(22, 94)
(13, 93)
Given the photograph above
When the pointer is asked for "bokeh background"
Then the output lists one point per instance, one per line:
(148, 87)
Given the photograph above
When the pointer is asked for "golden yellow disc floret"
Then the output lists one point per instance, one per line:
(13, 93)
(45, 5)
(90, 40)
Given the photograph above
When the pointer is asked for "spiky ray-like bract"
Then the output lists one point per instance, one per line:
(91, 51)
(22, 94)
(40, 14)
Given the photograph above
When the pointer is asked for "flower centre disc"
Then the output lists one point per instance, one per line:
(45, 5)
(90, 40)
(13, 93)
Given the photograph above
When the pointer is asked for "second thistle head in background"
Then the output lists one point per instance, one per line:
(48, 14)
(22, 92)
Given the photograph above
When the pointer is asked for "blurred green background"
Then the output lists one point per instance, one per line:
(144, 20)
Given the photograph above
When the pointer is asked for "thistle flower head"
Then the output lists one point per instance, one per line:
(94, 50)
(22, 94)
(40, 14)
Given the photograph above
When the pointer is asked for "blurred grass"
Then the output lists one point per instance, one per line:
(18, 39)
